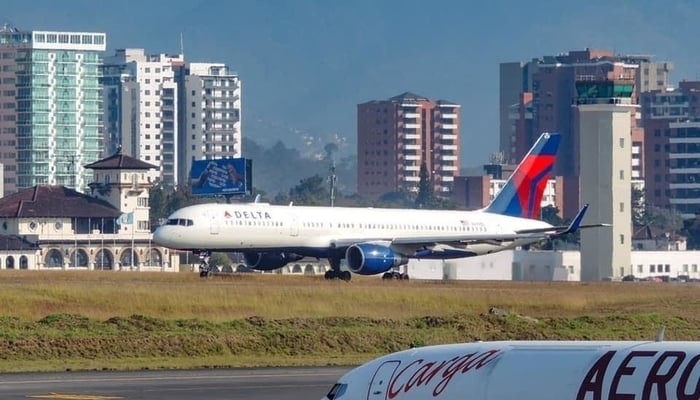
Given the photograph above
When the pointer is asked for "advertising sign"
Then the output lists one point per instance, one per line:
(225, 176)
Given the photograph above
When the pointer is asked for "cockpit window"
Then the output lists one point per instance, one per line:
(337, 391)
(180, 221)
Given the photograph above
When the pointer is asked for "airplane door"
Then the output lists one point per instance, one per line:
(213, 225)
(380, 382)
(294, 226)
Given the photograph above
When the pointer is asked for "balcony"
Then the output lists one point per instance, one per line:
(412, 157)
(411, 136)
(411, 178)
(411, 168)
(412, 126)
(448, 126)
(449, 147)
(448, 168)
(450, 136)
(448, 158)
(411, 115)
(449, 116)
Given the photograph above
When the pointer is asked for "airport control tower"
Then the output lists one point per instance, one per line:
(604, 109)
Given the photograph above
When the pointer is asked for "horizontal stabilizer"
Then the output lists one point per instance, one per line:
(560, 230)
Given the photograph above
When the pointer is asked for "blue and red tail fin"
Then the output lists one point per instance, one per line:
(522, 194)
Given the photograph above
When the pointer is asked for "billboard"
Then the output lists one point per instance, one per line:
(224, 176)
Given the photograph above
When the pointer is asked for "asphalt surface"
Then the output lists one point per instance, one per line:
(263, 383)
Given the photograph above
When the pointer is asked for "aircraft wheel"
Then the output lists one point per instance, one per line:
(388, 275)
(328, 275)
(404, 277)
(346, 276)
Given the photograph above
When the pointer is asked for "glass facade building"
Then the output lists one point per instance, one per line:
(58, 115)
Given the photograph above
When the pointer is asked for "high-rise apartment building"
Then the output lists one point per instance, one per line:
(50, 112)
(148, 120)
(671, 120)
(210, 114)
(547, 88)
(396, 136)
(166, 112)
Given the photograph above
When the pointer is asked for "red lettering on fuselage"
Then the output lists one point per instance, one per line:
(662, 373)
(421, 373)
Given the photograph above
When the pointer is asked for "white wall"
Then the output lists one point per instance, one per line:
(551, 265)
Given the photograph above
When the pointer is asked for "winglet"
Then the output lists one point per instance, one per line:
(576, 223)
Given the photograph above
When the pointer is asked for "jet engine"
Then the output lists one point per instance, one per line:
(267, 261)
(372, 258)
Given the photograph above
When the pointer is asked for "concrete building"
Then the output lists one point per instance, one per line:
(547, 89)
(523, 265)
(50, 114)
(603, 111)
(148, 121)
(210, 114)
(55, 227)
(396, 136)
(474, 192)
(671, 120)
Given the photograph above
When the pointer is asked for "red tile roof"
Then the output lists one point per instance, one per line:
(54, 201)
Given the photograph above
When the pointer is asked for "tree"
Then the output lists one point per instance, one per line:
(638, 207)
(310, 191)
(157, 204)
(400, 199)
(426, 195)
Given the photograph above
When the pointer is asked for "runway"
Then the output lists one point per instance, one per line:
(263, 383)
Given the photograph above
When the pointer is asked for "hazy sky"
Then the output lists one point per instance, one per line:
(306, 64)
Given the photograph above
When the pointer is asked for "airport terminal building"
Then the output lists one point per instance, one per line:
(50, 227)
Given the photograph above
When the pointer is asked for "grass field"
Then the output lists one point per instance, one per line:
(119, 320)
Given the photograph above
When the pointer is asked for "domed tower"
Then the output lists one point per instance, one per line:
(124, 182)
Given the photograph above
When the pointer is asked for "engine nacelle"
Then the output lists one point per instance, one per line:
(268, 261)
(372, 258)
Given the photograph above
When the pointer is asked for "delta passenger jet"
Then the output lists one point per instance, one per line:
(372, 240)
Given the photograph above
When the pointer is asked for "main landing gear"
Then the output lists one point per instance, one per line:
(204, 268)
(335, 272)
(396, 274)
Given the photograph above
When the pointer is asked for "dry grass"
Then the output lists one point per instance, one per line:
(101, 295)
(51, 320)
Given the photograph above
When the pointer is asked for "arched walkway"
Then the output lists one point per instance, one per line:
(54, 259)
(10, 262)
(78, 258)
(126, 258)
(104, 260)
(154, 259)
(23, 262)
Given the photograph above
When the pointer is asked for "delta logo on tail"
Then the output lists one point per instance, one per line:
(522, 194)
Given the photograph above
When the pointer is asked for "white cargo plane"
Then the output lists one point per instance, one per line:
(372, 240)
(529, 370)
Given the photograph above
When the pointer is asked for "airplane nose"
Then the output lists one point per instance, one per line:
(158, 236)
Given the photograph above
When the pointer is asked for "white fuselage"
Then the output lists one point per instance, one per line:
(533, 370)
(260, 227)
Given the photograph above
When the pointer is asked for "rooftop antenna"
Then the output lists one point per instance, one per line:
(182, 44)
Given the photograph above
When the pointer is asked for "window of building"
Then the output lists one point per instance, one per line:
(622, 142)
